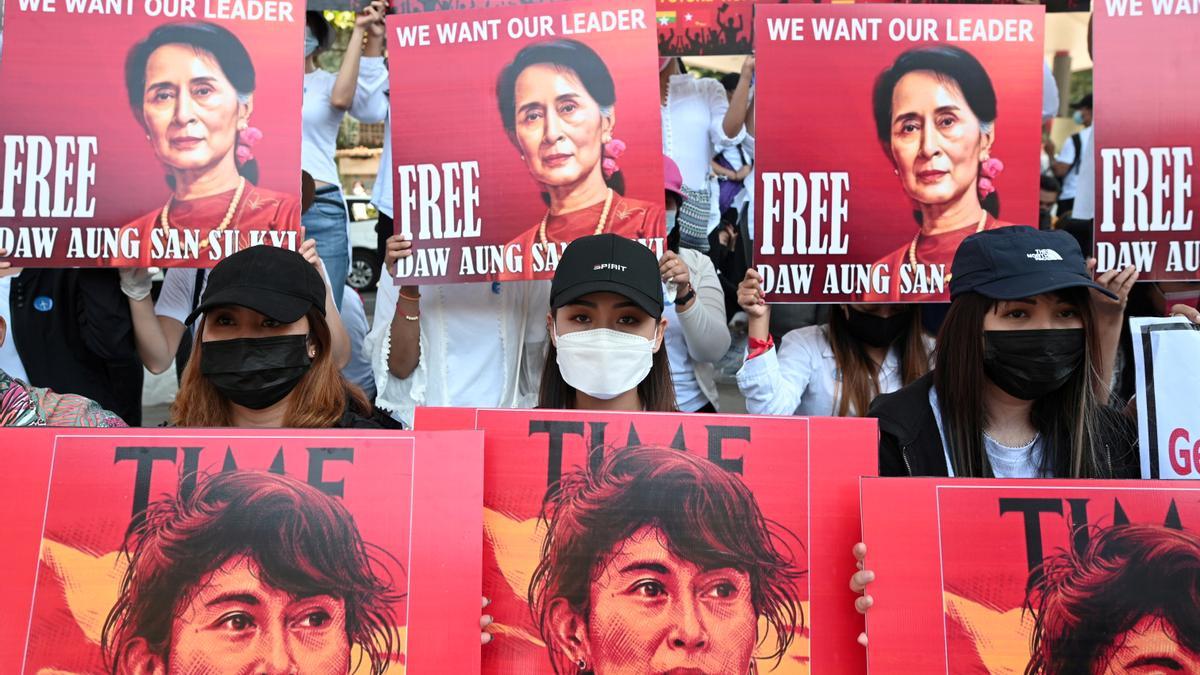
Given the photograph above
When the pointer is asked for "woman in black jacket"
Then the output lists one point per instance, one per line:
(1018, 382)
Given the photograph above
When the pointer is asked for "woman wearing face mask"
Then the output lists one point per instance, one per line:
(935, 118)
(1014, 391)
(697, 336)
(835, 369)
(606, 327)
(357, 88)
(262, 355)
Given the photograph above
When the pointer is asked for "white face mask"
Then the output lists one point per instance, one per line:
(672, 219)
(604, 363)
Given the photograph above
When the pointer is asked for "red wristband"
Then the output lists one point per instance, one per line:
(759, 347)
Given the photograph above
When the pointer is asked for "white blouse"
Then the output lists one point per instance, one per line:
(321, 120)
(479, 348)
(693, 128)
(802, 377)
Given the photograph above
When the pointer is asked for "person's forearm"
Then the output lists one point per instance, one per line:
(339, 339)
(151, 340)
(1060, 169)
(750, 117)
(342, 96)
(404, 354)
(760, 327)
(735, 116)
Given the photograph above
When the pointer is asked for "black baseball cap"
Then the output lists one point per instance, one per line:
(1085, 102)
(272, 281)
(1010, 263)
(606, 262)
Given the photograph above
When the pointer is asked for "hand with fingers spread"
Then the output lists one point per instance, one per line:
(859, 582)
(485, 621)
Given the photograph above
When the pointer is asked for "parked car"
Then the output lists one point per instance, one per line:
(365, 259)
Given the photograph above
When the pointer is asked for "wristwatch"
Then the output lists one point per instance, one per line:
(685, 298)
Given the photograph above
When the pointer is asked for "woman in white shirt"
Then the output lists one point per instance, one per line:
(698, 120)
(477, 345)
(832, 369)
(357, 88)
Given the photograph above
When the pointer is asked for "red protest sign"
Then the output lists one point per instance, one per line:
(1008, 576)
(705, 27)
(666, 504)
(851, 205)
(216, 549)
(1146, 204)
(548, 131)
(168, 138)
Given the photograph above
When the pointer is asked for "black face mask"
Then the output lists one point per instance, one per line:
(255, 373)
(877, 331)
(1029, 364)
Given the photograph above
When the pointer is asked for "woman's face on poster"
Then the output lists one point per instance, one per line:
(653, 612)
(190, 108)
(937, 142)
(560, 128)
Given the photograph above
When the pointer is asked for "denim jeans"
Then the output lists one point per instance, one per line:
(328, 223)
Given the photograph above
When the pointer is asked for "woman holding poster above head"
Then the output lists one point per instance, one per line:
(699, 121)
(935, 117)
(606, 330)
(191, 88)
(557, 101)
(657, 561)
(835, 369)
(358, 88)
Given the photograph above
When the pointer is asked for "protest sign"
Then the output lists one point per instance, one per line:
(865, 191)
(1166, 354)
(213, 550)
(1146, 201)
(154, 132)
(752, 517)
(548, 130)
(1031, 576)
(705, 27)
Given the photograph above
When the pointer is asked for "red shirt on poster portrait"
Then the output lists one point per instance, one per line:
(937, 249)
(258, 210)
(631, 218)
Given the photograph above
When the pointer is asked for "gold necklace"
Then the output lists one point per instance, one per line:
(164, 219)
(599, 226)
(912, 249)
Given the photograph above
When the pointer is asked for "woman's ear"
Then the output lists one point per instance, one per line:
(313, 347)
(660, 334)
(568, 631)
(138, 659)
(608, 123)
(986, 140)
(245, 109)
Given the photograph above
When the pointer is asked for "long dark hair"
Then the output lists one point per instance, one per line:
(656, 390)
(951, 64)
(223, 46)
(571, 55)
(1066, 418)
(859, 383)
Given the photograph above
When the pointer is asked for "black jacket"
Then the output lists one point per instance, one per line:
(74, 335)
(910, 445)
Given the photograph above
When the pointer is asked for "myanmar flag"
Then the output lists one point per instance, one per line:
(666, 18)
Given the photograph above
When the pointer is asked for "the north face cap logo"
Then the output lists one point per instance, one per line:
(609, 266)
(1044, 255)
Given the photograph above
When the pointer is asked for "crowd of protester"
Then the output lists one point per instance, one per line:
(1026, 374)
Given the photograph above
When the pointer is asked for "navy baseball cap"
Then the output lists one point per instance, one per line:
(1010, 263)
(272, 281)
(607, 262)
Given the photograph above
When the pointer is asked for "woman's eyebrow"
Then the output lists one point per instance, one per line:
(645, 566)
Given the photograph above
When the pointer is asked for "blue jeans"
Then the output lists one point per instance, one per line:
(328, 223)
